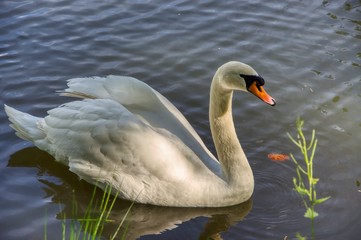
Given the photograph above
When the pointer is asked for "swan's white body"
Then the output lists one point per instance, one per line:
(127, 135)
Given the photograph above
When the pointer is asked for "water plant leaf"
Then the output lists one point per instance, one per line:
(293, 140)
(310, 213)
(315, 180)
(300, 237)
(300, 190)
(321, 200)
(312, 140)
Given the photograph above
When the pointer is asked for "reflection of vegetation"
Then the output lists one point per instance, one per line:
(305, 182)
(300, 237)
(91, 225)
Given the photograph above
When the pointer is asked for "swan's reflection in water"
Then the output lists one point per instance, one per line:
(66, 188)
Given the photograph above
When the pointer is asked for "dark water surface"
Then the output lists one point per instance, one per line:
(309, 52)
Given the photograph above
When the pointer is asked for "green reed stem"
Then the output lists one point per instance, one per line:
(305, 182)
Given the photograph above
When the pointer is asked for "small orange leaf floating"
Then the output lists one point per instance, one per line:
(278, 157)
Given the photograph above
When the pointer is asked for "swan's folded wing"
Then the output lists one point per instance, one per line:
(102, 142)
(146, 103)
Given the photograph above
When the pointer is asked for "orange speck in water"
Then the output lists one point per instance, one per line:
(278, 157)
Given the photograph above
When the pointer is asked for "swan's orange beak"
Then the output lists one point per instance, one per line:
(261, 93)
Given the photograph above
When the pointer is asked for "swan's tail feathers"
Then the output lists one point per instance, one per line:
(26, 126)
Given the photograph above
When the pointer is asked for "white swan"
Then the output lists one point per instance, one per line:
(126, 134)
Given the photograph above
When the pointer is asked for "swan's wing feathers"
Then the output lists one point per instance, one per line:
(138, 98)
(147, 104)
(84, 128)
(99, 139)
(125, 90)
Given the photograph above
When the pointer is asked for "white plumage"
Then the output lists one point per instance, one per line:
(127, 135)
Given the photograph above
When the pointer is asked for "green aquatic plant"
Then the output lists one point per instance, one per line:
(91, 225)
(305, 182)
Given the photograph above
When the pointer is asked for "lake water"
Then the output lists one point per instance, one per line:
(309, 52)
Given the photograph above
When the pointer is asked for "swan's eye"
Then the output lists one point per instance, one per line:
(249, 79)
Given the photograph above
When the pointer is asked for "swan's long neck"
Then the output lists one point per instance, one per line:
(236, 168)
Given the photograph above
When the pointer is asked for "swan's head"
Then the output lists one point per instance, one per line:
(240, 76)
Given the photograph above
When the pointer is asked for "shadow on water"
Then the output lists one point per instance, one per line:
(143, 220)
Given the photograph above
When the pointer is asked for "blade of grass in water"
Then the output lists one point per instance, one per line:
(91, 226)
(121, 224)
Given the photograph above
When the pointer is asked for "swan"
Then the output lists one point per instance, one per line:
(125, 134)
